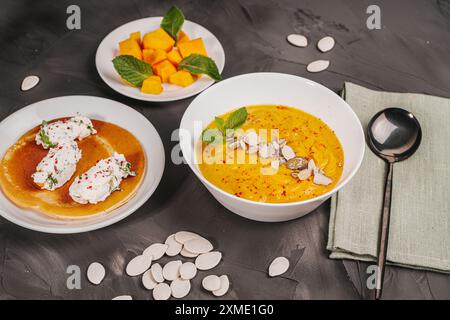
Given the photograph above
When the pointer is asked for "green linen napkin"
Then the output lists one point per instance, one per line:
(419, 235)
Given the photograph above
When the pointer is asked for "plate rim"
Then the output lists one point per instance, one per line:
(112, 219)
(156, 98)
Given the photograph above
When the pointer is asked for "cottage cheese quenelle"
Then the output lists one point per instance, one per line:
(52, 134)
(96, 184)
(58, 166)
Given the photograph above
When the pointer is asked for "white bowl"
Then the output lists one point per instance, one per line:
(108, 49)
(26, 118)
(282, 89)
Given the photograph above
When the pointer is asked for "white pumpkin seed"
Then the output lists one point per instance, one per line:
(174, 246)
(209, 260)
(148, 281)
(252, 149)
(157, 273)
(288, 153)
(251, 138)
(275, 164)
(171, 270)
(311, 165)
(198, 245)
(326, 44)
(211, 283)
(224, 286)
(138, 265)
(297, 40)
(188, 271)
(156, 251)
(304, 174)
(278, 266)
(29, 83)
(96, 273)
(321, 179)
(183, 236)
(161, 291)
(318, 65)
(180, 288)
(188, 254)
(124, 297)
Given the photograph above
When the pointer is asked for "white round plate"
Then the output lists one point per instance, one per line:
(109, 48)
(26, 118)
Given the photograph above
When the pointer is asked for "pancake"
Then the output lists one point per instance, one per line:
(20, 160)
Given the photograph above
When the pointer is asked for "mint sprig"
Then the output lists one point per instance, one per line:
(132, 69)
(173, 22)
(236, 119)
(199, 64)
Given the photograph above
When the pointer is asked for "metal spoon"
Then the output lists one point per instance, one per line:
(394, 135)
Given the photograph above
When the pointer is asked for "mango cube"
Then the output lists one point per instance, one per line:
(130, 47)
(152, 85)
(174, 57)
(158, 39)
(146, 54)
(181, 78)
(154, 56)
(136, 36)
(194, 46)
(164, 69)
(183, 37)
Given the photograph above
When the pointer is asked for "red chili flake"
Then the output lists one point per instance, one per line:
(89, 187)
(56, 161)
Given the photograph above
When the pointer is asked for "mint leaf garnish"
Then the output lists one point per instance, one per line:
(132, 69)
(236, 119)
(173, 22)
(199, 64)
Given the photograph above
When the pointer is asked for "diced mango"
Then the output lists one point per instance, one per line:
(152, 85)
(158, 39)
(136, 36)
(146, 54)
(183, 37)
(155, 56)
(181, 78)
(164, 69)
(193, 46)
(130, 47)
(174, 57)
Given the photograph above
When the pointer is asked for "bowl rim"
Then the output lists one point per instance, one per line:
(281, 204)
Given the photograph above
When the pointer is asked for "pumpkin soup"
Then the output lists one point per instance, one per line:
(270, 153)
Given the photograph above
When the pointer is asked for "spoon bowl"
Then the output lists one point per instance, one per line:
(394, 134)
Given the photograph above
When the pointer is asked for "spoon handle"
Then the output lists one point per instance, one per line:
(384, 231)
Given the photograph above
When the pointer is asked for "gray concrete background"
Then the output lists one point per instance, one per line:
(410, 54)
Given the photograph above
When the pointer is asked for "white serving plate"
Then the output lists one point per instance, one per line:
(282, 89)
(26, 118)
(109, 48)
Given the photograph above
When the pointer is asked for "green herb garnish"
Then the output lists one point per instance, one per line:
(236, 119)
(132, 69)
(127, 169)
(199, 64)
(212, 135)
(45, 139)
(173, 22)
(51, 181)
(220, 123)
